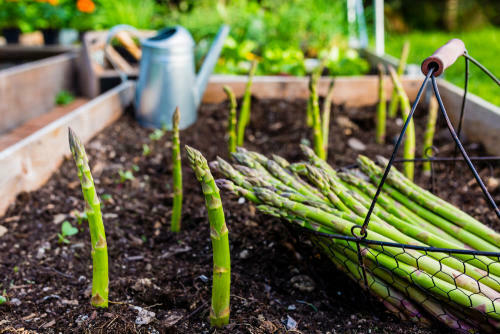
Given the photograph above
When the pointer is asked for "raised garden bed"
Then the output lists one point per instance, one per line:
(170, 274)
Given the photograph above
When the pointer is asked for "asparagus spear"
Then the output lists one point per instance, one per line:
(393, 105)
(246, 106)
(381, 107)
(429, 133)
(315, 160)
(409, 144)
(219, 312)
(175, 225)
(100, 280)
(325, 120)
(316, 120)
(435, 204)
(231, 127)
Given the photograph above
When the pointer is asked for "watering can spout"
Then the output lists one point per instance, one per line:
(209, 64)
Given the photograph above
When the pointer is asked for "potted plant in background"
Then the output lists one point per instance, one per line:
(12, 19)
(50, 16)
(83, 16)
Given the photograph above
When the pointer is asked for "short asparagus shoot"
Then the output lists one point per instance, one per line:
(393, 105)
(219, 312)
(246, 105)
(409, 141)
(325, 120)
(175, 225)
(100, 281)
(231, 126)
(430, 128)
(381, 107)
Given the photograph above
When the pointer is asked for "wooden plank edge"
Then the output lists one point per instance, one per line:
(28, 164)
(71, 56)
(353, 91)
(481, 120)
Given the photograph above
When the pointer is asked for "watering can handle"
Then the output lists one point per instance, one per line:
(444, 57)
(136, 52)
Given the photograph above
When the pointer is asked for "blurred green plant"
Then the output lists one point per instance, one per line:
(64, 97)
(144, 14)
(483, 45)
(13, 14)
(281, 35)
(49, 14)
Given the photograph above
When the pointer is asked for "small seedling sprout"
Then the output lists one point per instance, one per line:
(393, 105)
(67, 230)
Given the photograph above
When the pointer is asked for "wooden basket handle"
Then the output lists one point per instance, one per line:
(444, 57)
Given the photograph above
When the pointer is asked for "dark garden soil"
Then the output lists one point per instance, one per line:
(48, 284)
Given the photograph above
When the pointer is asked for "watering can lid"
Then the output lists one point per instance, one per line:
(170, 37)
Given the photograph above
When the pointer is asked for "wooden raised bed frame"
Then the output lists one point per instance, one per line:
(27, 164)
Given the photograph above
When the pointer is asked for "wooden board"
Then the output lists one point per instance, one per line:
(29, 90)
(481, 120)
(351, 91)
(27, 165)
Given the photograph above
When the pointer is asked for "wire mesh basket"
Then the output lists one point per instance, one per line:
(458, 287)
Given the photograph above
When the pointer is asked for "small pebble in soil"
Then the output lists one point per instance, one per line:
(82, 279)
(356, 144)
(493, 184)
(144, 316)
(203, 278)
(303, 283)
(81, 319)
(15, 302)
(3, 230)
(244, 254)
(241, 200)
(292, 307)
(290, 323)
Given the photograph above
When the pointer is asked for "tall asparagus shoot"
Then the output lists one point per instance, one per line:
(409, 143)
(219, 312)
(231, 126)
(381, 107)
(100, 281)
(314, 76)
(325, 121)
(316, 118)
(246, 105)
(175, 225)
(393, 105)
(429, 133)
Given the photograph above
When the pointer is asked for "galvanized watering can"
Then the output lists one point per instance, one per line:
(167, 77)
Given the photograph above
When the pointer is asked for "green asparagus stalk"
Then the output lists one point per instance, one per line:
(461, 234)
(316, 161)
(429, 133)
(237, 190)
(231, 127)
(325, 120)
(219, 312)
(441, 207)
(316, 120)
(393, 106)
(175, 225)
(246, 106)
(409, 143)
(100, 280)
(381, 107)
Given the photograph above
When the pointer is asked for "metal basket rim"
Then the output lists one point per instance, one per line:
(399, 245)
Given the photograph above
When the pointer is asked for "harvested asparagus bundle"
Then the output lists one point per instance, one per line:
(458, 288)
(100, 280)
